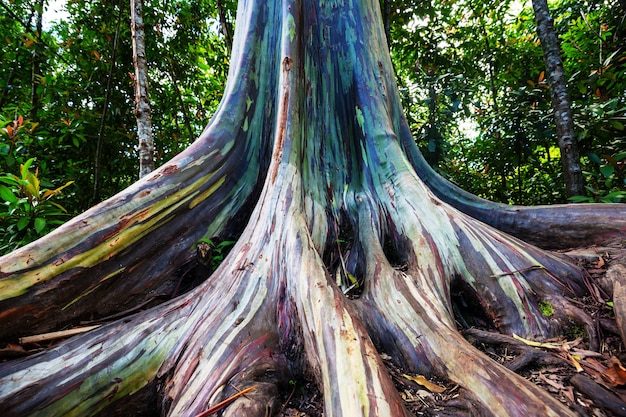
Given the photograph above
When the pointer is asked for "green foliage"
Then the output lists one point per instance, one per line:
(27, 211)
(477, 99)
(546, 309)
(57, 114)
(606, 183)
(219, 250)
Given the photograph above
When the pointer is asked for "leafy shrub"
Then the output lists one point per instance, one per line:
(606, 183)
(27, 211)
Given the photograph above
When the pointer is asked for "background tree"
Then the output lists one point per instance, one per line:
(143, 112)
(507, 153)
(311, 164)
(570, 156)
(86, 90)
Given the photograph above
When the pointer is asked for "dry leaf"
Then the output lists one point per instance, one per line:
(551, 382)
(539, 344)
(575, 362)
(616, 374)
(425, 383)
(568, 393)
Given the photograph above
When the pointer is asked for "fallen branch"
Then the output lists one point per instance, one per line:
(601, 396)
(46, 337)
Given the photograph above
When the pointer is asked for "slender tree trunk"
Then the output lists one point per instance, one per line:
(227, 29)
(143, 112)
(105, 109)
(181, 102)
(387, 21)
(570, 157)
(309, 144)
(36, 68)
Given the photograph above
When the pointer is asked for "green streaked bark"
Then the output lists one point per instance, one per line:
(309, 146)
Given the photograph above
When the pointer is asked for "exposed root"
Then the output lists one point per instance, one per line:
(600, 395)
(527, 355)
(409, 314)
(566, 308)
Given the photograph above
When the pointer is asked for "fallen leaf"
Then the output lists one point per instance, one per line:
(538, 344)
(575, 362)
(568, 393)
(425, 383)
(616, 374)
(551, 382)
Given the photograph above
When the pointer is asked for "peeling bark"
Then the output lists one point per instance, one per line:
(309, 146)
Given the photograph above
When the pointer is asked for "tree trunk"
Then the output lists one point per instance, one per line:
(183, 107)
(227, 28)
(142, 103)
(36, 68)
(105, 109)
(310, 162)
(570, 157)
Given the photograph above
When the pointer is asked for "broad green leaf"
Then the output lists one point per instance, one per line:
(31, 185)
(60, 207)
(594, 158)
(620, 156)
(22, 223)
(25, 167)
(617, 124)
(607, 170)
(7, 195)
(616, 196)
(10, 180)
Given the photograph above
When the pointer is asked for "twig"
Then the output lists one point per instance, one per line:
(45, 337)
(217, 407)
(287, 402)
(530, 268)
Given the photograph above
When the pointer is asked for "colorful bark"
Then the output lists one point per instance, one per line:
(312, 114)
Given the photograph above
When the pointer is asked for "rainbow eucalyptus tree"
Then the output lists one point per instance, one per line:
(310, 163)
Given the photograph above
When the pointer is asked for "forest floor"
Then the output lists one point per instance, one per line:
(589, 383)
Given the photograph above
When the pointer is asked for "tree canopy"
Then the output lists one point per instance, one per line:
(477, 99)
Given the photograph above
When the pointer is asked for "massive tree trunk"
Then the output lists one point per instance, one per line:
(563, 118)
(310, 163)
